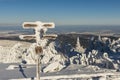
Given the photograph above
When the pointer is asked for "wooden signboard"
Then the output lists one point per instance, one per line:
(28, 25)
(27, 37)
(33, 25)
(48, 25)
(38, 50)
(49, 36)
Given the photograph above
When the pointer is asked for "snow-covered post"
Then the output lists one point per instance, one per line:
(40, 29)
(38, 51)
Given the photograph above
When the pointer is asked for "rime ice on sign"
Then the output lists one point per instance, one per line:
(40, 29)
(49, 53)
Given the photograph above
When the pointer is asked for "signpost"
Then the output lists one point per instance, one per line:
(40, 28)
(39, 51)
(27, 37)
(49, 36)
(38, 24)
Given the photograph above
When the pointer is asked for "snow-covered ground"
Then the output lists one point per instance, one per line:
(73, 72)
(10, 43)
(55, 65)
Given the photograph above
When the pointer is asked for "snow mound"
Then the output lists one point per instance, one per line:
(11, 55)
(98, 55)
(50, 57)
(11, 67)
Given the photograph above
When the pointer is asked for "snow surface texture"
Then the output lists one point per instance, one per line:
(18, 54)
(11, 55)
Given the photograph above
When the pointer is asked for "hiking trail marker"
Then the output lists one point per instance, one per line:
(40, 29)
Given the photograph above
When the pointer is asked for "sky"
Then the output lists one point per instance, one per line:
(61, 12)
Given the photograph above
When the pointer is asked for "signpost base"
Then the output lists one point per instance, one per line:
(37, 70)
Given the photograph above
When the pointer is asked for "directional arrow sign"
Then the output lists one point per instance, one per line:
(49, 36)
(33, 25)
(28, 25)
(27, 37)
(48, 25)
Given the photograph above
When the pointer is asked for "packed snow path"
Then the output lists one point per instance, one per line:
(27, 72)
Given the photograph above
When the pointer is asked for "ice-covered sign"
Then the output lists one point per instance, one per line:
(38, 50)
(38, 24)
(48, 25)
(40, 29)
(27, 37)
(49, 36)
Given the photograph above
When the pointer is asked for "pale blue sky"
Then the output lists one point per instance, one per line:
(62, 12)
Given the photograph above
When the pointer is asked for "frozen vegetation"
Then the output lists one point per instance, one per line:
(100, 54)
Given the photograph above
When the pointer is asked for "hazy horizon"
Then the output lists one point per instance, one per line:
(68, 28)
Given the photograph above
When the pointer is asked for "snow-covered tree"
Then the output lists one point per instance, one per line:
(78, 47)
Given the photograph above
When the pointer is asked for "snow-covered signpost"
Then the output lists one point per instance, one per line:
(40, 29)
(38, 51)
